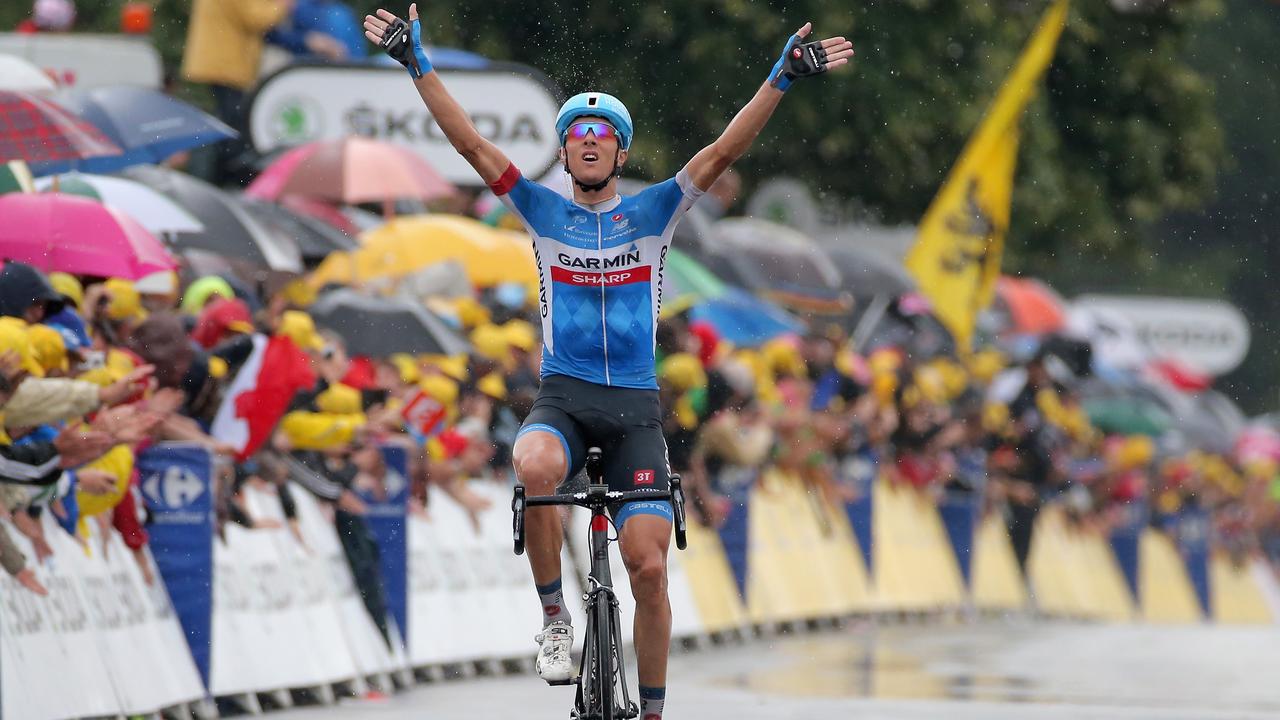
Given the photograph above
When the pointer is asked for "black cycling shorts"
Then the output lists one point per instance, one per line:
(625, 423)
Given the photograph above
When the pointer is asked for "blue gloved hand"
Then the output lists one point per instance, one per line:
(403, 42)
(801, 59)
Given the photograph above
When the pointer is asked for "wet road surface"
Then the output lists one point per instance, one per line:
(989, 670)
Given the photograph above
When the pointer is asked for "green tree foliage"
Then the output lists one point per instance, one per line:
(1124, 132)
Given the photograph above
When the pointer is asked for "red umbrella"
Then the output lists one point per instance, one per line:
(38, 130)
(79, 236)
(350, 170)
(1033, 306)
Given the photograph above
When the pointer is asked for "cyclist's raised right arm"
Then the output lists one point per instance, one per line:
(489, 161)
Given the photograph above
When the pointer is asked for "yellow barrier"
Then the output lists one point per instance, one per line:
(1234, 593)
(803, 559)
(776, 584)
(829, 549)
(1073, 571)
(915, 568)
(714, 590)
(1163, 586)
(996, 582)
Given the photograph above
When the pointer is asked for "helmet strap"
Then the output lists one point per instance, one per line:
(597, 186)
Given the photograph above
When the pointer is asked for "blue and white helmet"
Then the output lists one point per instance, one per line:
(596, 104)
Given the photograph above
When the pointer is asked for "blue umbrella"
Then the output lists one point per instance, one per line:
(744, 319)
(149, 125)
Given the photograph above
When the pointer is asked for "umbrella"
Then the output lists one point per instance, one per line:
(1032, 308)
(229, 229)
(400, 247)
(15, 176)
(867, 273)
(155, 212)
(1127, 416)
(315, 239)
(744, 319)
(149, 125)
(780, 263)
(18, 74)
(380, 327)
(686, 282)
(350, 170)
(35, 129)
(79, 236)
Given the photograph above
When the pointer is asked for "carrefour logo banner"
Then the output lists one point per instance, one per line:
(176, 483)
(512, 105)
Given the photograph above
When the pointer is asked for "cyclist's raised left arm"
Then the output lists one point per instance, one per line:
(799, 59)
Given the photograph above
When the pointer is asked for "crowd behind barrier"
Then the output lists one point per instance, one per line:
(286, 614)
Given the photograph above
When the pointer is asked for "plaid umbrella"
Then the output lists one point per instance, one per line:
(38, 130)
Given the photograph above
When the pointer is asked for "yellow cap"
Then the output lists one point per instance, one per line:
(118, 462)
(407, 367)
(490, 342)
(339, 399)
(986, 364)
(520, 334)
(49, 348)
(125, 302)
(14, 338)
(67, 284)
(455, 366)
(298, 293)
(493, 385)
(683, 372)
(470, 312)
(1135, 452)
(440, 388)
(218, 367)
(100, 376)
(782, 357)
(301, 329)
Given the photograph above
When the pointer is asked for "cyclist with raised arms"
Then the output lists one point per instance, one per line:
(600, 262)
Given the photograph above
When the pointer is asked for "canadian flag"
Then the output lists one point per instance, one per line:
(261, 393)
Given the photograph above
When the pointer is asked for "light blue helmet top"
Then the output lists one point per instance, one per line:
(596, 104)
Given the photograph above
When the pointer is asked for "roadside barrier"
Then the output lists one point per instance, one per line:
(268, 611)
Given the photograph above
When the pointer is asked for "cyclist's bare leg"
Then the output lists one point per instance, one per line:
(540, 465)
(644, 541)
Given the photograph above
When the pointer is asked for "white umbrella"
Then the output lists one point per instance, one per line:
(154, 211)
(21, 75)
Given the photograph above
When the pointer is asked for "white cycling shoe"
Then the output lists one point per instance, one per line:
(554, 664)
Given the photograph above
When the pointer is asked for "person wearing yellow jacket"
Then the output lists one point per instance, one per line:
(224, 51)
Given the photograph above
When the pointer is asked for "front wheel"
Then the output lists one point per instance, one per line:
(606, 663)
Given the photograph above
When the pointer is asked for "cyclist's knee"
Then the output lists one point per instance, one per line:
(648, 571)
(539, 461)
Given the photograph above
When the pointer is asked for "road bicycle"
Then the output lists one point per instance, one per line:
(602, 687)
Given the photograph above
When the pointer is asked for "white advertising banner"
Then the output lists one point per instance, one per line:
(88, 61)
(1211, 336)
(511, 105)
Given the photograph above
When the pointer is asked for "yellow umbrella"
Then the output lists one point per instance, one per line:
(407, 244)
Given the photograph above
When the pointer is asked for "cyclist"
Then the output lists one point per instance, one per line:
(600, 264)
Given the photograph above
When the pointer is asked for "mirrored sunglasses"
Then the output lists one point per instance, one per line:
(601, 130)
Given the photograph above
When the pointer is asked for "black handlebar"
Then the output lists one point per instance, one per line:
(597, 498)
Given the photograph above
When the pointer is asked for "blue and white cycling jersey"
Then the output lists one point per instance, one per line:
(600, 271)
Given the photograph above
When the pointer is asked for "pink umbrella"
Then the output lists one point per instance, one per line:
(350, 170)
(79, 236)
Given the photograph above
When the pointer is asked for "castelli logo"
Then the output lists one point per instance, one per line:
(618, 217)
(797, 53)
